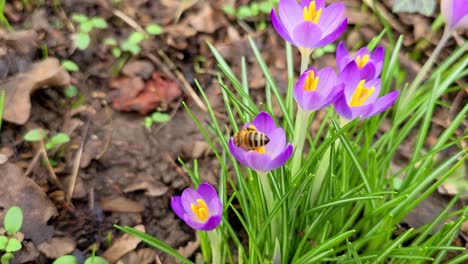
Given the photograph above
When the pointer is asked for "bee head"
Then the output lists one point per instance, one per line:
(267, 139)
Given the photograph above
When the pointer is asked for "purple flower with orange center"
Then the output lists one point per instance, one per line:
(270, 156)
(359, 97)
(369, 63)
(200, 209)
(317, 89)
(310, 24)
(455, 13)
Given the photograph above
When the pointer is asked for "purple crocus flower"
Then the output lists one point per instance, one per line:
(455, 13)
(369, 63)
(200, 209)
(359, 96)
(317, 89)
(310, 24)
(269, 157)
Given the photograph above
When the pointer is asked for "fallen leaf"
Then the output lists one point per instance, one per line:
(191, 247)
(157, 90)
(28, 253)
(206, 20)
(147, 183)
(57, 247)
(20, 41)
(122, 246)
(141, 256)
(425, 7)
(21, 191)
(142, 68)
(121, 204)
(197, 149)
(18, 89)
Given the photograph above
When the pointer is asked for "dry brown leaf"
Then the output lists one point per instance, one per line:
(18, 89)
(122, 246)
(20, 41)
(147, 183)
(18, 190)
(206, 20)
(190, 248)
(57, 247)
(121, 204)
(142, 68)
(28, 253)
(141, 256)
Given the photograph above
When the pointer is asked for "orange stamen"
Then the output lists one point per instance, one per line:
(311, 14)
(311, 82)
(361, 94)
(200, 210)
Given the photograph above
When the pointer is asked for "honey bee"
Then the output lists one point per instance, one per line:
(250, 139)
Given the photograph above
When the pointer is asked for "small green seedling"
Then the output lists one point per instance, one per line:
(38, 134)
(156, 117)
(132, 43)
(8, 242)
(86, 25)
(251, 10)
(70, 66)
(71, 91)
(93, 259)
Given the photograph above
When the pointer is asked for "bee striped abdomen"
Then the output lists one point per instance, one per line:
(250, 139)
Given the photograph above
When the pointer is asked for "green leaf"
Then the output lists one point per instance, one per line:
(13, 245)
(6, 258)
(110, 42)
(80, 18)
(67, 259)
(131, 47)
(160, 117)
(148, 122)
(13, 220)
(265, 7)
(99, 22)
(154, 29)
(70, 66)
(244, 12)
(96, 260)
(116, 52)
(229, 9)
(57, 140)
(425, 7)
(3, 242)
(82, 40)
(71, 91)
(34, 135)
(86, 26)
(135, 37)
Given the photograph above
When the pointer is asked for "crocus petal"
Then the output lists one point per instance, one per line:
(215, 206)
(331, 17)
(290, 13)
(368, 72)
(281, 159)
(455, 13)
(237, 152)
(350, 76)
(189, 196)
(342, 56)
(342, 108)
(333, 35)
(277, 142)
(212, 223)
(383, 103)
(176, 204)
(207, 192)
(257, 161)
(361, 111)
(327, 80)
(264, 123)
(378, 57)
(193, 222)
(334, 94)
(318, 3)
(306, 35)
(312, 101)
(376, 84)
(279, 27)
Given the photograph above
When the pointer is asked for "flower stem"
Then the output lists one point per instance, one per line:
(300, 132)
(428, 65)
(215, 240)
(270, 201)
(300, 127)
